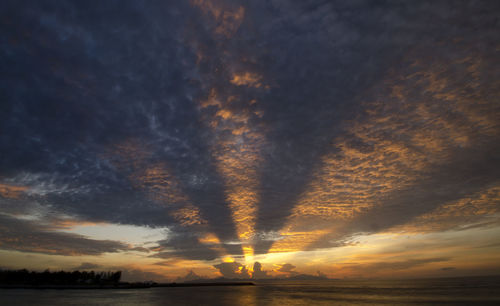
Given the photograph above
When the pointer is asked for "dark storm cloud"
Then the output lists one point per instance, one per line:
(127, 112)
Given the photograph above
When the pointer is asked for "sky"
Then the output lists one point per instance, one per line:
(174, 140)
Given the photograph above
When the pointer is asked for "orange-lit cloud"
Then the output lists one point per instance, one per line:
(209, 238)
(160, 183)
(188, 215)
(226, 20)
(275, 132)
(162, 187)
(480, 209)
(236, 142)
(155, 178)
(237, 156)
(11, 191)
(397, 142)
(293, 241)
(69, 223)
(246, 79)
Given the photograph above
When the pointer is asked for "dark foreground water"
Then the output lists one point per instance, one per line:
(463, 291)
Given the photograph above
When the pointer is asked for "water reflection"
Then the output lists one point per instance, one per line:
(456, 291)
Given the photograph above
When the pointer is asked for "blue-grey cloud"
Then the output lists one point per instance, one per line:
(233, 118)
(29, 236)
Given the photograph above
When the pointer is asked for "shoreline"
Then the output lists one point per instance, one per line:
(125, 286)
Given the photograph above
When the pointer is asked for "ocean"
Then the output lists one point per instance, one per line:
(452, 291)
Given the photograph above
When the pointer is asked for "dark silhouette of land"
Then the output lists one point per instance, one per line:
(24, 279)
(202, 284)
(32, 279)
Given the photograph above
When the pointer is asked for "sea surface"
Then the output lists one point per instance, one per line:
(456, 291)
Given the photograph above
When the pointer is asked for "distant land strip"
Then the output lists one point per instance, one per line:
(126, 286)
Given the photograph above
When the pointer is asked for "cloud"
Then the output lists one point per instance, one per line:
(190, 276)
(186, 245)
(448, 269)
(28, 236)
(232, 270)
(395, 265)
(87, 266)
(137, 275)
(11, 192)
(286, 268)
(224, 18)
(476, 210)
(258, 273)
(308, 122)
(406, 143)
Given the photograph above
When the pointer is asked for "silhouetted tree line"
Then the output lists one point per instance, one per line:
(25, 277)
